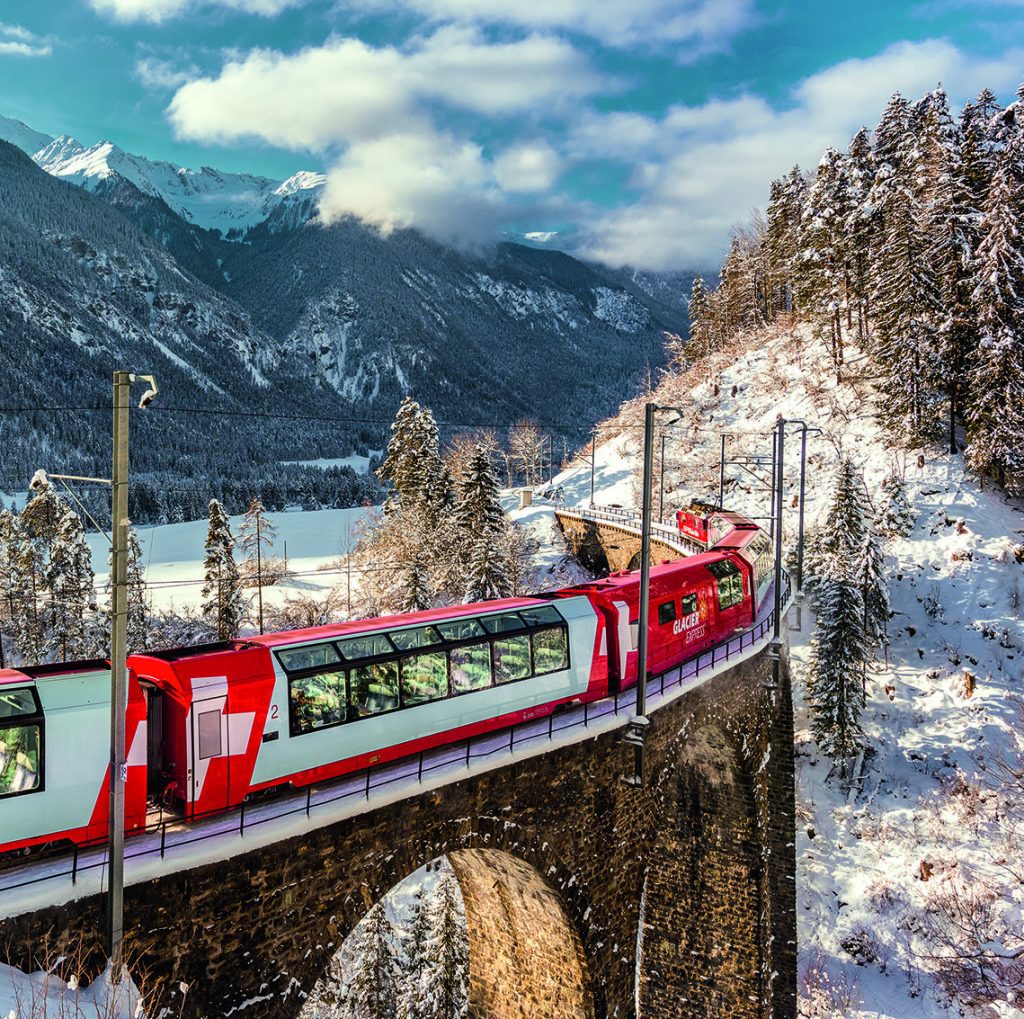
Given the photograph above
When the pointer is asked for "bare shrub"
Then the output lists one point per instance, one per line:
(302, 610)
(977, 955)
(822, 996)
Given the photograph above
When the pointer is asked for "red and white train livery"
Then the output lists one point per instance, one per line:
(209, 726)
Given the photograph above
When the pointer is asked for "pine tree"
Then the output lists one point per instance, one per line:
(487, 571)
(412, 465)
(874, 590)
(950, 223)
(995, 419)
(838, 652)
(222, 596)
(415, 592)
(698, 344)
(824, 269)
(137, 629)
(839, 647)
(442, 991)
(29, 619)
(373, 992)
(860, 227)
(906, 304)
(895, 518)
(782, 239)
(256, 536)
(70, 582)
(413, 944)
(478, 510)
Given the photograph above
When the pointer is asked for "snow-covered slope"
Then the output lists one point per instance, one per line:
(919, 860)
(17, 133)
(229, 202)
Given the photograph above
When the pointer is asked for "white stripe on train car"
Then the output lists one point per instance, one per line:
(290, 754)
(625, 637)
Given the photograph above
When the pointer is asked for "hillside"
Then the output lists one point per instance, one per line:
(918, 855)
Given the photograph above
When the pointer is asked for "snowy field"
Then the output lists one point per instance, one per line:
(173, 555)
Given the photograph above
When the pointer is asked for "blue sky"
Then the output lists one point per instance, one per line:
(639, 130)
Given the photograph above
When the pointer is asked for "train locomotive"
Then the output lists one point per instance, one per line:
(211, 726)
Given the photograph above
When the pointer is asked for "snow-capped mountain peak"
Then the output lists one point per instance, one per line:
(212, 199)
(21, 135)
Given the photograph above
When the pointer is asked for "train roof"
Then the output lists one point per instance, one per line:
(357, 626)
(28, 673)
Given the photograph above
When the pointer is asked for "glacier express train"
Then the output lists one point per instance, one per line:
(210, 726)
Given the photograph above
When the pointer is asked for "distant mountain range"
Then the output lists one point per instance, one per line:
(243, 303)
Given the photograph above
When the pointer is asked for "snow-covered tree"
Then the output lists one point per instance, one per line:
(869, 568)
(782, 239)
(70, 582)
(222, 596)
(895, 515)
(699, 342)
(995, 420)
(256, 536)
(442, 980)
(482, 522)
(374, 989)
(412, 465)
(860, 228)
(414, 592)
(138, 628)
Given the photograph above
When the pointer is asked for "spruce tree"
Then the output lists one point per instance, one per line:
(138, 629)
(995, 419)
(874, 590)
(895, 517)
(70, 581)
(413, 945)
(8, 570)
(478, 510)
(698, 344)
(906, 304)
(222, 596)
(256, 536)
(414, 594)
(373, 991)
(443, 985)
(860, 227)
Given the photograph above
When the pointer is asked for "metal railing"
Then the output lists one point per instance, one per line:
(162, 838)
(629, 520)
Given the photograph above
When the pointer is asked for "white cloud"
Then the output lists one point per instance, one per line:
(17, 41)
(705, 167)
(163, 74)
(160, 10)
(701, 24)
(528, 167)
(346, 90)
(419, 178)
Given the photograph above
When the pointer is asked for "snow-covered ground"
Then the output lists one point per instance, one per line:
(923, 834)
(358, 463)
(311, 541)
(47, 995)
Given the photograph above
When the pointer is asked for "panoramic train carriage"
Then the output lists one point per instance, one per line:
(295, 708)
(694, 603)
(54, 754)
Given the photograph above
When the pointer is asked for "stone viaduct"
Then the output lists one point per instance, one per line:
(585, 898)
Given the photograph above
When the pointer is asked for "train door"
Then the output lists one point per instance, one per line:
(156, 776)
(207, 749)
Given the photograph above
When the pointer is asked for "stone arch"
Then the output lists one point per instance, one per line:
(524, 928)
(526, 960)
(703, 938)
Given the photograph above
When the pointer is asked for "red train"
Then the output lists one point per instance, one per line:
(209, 726)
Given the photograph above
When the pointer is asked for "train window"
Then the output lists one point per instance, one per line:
(509, 622)
(730, 591)
(366, 647)
(550, 651)
(689, 604)
(317, 701)
(17, 703)
(421, 636)
(209, 734)
(470, 667)
(545, 615)
(424, 678)
(460, 629)
(511, 659)
(21, 759)
(666, 612)
(373, 688)
(314, 657)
